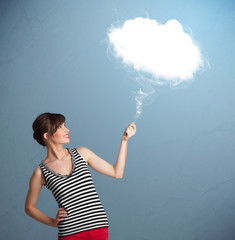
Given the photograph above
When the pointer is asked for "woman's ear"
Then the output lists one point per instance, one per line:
(46, 136)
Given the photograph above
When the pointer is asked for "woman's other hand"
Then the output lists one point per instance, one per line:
(60, 216)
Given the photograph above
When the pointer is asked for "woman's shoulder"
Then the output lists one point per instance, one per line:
(82, 149)
(37, 174)
(84, 152)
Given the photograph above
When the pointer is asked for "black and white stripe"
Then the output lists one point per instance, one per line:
(77, 194)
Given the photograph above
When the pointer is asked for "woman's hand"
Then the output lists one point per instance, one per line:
(129, 131)
(60, 216)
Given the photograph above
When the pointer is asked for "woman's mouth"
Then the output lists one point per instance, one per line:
(66, 136)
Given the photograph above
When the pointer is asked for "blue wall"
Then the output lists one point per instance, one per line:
(179, 181)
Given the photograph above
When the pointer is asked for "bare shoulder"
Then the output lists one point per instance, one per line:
(82, 149)
(85, 152)
(38, 177)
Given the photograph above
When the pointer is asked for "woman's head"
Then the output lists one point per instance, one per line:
(46, 123)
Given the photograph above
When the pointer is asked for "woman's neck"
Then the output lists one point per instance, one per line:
(56, 152)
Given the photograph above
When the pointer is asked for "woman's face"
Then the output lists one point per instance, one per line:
(61, 135)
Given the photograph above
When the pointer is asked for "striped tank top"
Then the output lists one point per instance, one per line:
(77, 194)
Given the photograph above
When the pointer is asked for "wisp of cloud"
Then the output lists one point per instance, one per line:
(159, 54)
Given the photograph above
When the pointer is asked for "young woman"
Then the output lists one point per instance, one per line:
(65, 172)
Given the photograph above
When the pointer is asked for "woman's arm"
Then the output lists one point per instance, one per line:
(101, 166)
(35, 186)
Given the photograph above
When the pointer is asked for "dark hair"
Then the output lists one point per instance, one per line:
(46, 123)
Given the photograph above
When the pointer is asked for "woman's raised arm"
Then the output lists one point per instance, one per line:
(101, 166)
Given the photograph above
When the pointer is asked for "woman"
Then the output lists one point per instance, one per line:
(65, 172)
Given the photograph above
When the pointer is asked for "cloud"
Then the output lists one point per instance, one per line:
(164, 51)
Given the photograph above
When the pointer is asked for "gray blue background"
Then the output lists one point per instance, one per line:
(179, 180)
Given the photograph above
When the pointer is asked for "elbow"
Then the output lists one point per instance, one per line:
(118, 176)
(28, 210)
(117, 173)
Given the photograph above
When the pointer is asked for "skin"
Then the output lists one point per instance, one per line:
(59, 160)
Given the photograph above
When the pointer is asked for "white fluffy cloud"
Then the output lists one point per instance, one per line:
(163, 51)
